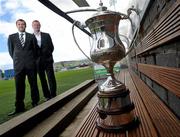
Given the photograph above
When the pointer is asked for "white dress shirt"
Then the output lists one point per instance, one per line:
(38, 37)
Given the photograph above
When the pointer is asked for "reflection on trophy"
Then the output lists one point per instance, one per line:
(114, 105)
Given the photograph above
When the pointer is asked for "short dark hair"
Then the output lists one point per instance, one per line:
(21, 20)
(35, 21)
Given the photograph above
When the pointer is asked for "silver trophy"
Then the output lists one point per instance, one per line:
(114, 105)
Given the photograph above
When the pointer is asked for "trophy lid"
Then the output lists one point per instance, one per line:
(102, 14)
(103, 10)
(104, 20)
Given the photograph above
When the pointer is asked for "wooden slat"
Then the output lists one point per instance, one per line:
(167, 77)
(163, 27)
(146, 128)
(88, 121)
(166, 29)
(163, 119)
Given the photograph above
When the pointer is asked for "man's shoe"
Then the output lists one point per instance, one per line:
(16, 112)
(34, 104)
(46, 99)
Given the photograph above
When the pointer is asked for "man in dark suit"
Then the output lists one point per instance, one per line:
(22, 48)
(45, 61)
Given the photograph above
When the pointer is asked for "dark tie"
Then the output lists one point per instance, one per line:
(22, 39)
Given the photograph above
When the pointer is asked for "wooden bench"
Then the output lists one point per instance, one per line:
(167, 77)
(156, 120)
(51, 117)
(165, 30)
(164, 120)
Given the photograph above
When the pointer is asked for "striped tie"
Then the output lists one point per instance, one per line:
(22, 39)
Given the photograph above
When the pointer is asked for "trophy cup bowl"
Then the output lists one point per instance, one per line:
(114, 104)
(107, 48)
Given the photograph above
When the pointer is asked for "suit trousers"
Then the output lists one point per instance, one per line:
(20, 87)
(46, 69)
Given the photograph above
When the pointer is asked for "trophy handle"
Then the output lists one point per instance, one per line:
(127, 40)
(81, 26)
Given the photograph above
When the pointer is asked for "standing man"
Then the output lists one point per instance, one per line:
(22, 48)
(45, 61)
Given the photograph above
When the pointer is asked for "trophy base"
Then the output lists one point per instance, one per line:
(108, 127)
(115, 110)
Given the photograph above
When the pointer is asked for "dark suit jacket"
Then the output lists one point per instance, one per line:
(46, 49)
(23, 57)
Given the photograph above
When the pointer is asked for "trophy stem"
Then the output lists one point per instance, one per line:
(111, 83)
(109, 67)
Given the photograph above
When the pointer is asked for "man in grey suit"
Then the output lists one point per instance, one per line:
(45, 61)
(22, 48)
